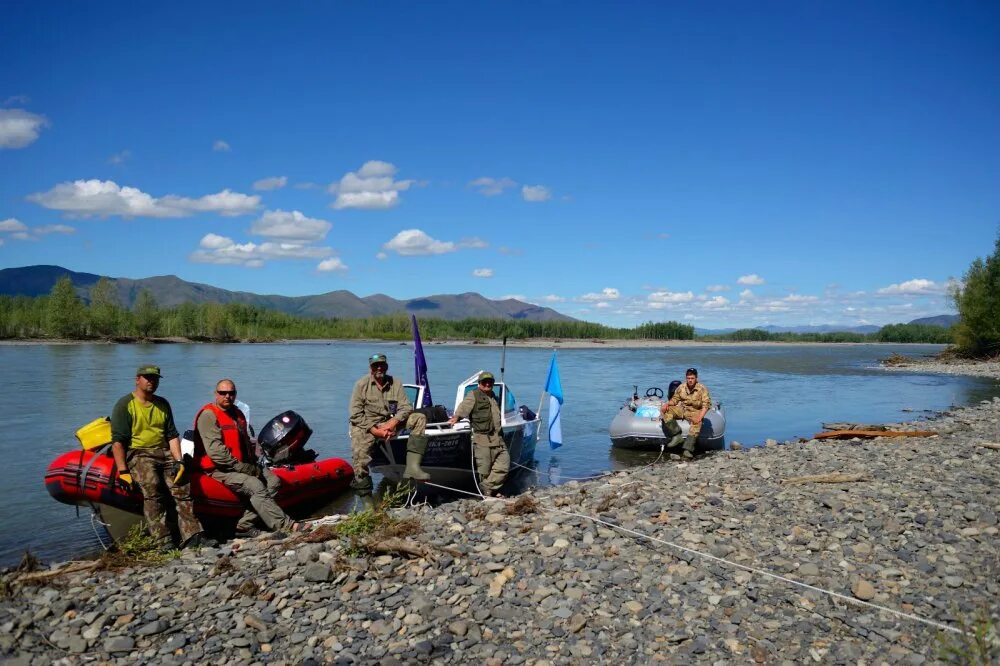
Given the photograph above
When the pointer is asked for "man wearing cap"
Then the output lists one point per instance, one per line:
(690, 401)
(482, 409)
(379, 407)
(146, 446)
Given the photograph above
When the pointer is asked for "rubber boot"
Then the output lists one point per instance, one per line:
(676, 440)
(362, 483)
(416, 445)
(671, 427)
(689, 444)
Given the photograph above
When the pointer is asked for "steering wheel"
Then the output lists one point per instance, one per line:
(654, 391)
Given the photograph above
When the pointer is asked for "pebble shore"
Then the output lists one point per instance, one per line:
(916, 532)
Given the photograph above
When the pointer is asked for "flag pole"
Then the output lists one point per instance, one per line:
(541, 399)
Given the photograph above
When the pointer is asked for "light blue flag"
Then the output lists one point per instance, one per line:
(554, 388)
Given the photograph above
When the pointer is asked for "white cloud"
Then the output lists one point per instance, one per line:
(216, 249)
(798, 298)
(221, 146)
(54, 229)
(536, 193)
(510, 251)
(330, 265)
(473, 243)
(85, 198)
(20, 128)
(414, 242)
(606, 294)
(513, 297)
(752, 279)
(552, 298)
(746, 294)
(483, 273)
(272, 183)
(290, 226)
(671, 297)
(381, 255)
(715, 303)
(490, 187)
(915, 287)
(120, 158)
(372, 187)
(16, 99)
(717, 287)
(13, 225)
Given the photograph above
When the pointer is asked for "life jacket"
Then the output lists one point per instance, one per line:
(481, 416)
(231, 429)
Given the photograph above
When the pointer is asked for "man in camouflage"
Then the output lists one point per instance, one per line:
(482, 409)
(379, 407)
(690, 401)
(147, 452)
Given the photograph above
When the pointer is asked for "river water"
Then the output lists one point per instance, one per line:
(779, 391)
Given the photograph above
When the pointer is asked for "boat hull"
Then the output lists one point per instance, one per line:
(642, 429)
(85, 478)
(449, 453)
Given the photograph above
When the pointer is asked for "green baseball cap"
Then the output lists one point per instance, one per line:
(486, 376)
(148, 370)
(377, 358)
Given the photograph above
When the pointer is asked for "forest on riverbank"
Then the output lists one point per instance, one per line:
(63, 315)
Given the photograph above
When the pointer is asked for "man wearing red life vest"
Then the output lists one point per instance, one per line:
(225, 452)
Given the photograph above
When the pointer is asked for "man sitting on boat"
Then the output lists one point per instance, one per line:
(146, 445)
(225, 452)
(379, 407)
(482, 409)
(690, 401)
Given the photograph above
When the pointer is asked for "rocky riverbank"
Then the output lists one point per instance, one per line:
(911, 526)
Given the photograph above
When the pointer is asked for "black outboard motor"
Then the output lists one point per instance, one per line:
(526, 413)
(673, 387)
(282, 440)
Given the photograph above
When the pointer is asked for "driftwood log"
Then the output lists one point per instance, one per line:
(990, 445)
(35, 577)
(871, 434)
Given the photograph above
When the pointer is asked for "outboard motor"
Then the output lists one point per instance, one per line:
(673, 387)
(526, 413)
(282, 440)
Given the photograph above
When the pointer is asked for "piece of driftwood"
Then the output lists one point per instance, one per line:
(393, 546)
(847, 425)
(49, 574)
(834, 477)
(990, 445)
(869, 434)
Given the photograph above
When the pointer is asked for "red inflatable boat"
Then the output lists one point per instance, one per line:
(83, 478)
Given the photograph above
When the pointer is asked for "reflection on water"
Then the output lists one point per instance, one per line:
(48, 392)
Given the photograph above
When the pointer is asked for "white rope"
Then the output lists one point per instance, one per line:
(768, 574)
(93, 520)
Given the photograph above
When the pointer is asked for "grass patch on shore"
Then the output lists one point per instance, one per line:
(138, 548)
(979, 645)
(363, 530)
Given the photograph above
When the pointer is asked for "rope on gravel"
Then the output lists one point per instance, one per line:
(768, 574)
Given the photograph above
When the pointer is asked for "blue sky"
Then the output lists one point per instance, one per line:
(720, 164)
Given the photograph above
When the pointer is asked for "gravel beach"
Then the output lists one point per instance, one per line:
(555, 579)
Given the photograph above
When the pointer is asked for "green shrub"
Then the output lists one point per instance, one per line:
(977, 334)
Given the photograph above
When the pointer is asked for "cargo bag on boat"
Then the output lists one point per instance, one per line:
(95, 434)
(283, 438)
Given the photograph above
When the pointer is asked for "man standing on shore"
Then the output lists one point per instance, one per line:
(379, 407)
(146, 445)
(483, 411)
(690, 401)
(225, 452)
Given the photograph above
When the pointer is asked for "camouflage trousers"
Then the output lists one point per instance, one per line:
(260, 494)
(149, 469)
(678, 412)
(362, 442)
(492, 461)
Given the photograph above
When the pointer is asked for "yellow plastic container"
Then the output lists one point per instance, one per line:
(95, 434)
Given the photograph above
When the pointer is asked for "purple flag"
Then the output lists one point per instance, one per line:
(420, 365)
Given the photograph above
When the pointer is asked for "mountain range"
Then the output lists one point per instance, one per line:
(170, 291)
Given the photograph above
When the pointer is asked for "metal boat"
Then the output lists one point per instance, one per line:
(638, 426)
(449, 447)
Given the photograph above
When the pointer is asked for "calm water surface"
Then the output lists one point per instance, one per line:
(47, 392)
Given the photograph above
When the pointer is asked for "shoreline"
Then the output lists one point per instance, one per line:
(533, 343)
(912, 528)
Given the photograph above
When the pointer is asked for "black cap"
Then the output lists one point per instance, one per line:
(691, 371)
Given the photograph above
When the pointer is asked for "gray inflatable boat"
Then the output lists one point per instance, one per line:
(638, 425)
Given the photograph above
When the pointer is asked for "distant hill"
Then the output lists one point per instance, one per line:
(944, 321)
(170, 291)
(825, 328)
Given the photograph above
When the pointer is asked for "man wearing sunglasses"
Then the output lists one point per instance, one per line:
(379, 408)
(147, 452)
(224, 451)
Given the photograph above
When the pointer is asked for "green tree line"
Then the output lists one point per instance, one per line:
(62, 314)
(889, 333)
